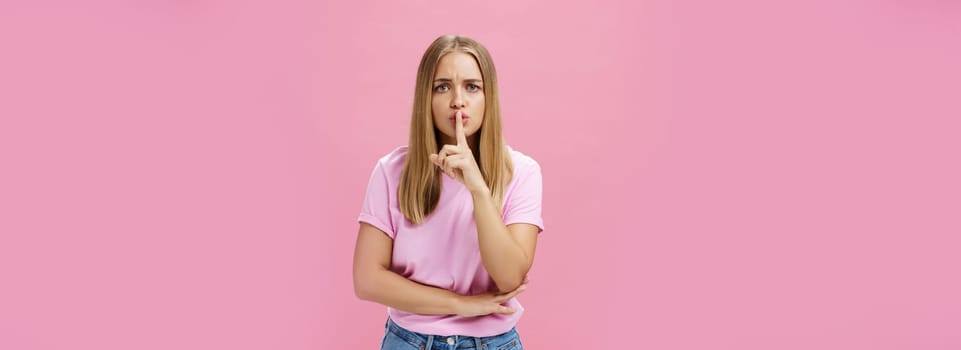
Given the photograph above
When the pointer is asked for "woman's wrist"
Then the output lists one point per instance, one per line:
(480, 190)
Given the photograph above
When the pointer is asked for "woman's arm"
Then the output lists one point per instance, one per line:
(374, 281)
(507, 251)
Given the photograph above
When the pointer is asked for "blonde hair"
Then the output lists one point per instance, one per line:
(420, 184)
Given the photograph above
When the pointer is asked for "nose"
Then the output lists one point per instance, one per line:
(457, 100)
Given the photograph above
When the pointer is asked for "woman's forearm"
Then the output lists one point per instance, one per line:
(388, 288)
(503, 257)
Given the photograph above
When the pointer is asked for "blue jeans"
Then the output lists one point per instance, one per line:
(398, 338)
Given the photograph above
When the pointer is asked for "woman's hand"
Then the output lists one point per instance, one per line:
(487, 303)
(458, 162)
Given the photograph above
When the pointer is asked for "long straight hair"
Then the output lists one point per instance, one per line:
(420, 184)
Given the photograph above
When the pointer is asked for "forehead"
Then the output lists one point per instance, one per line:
(457, 65)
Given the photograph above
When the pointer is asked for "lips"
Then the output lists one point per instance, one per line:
(463, 115)
(453, 120)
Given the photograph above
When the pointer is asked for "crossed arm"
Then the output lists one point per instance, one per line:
(374, 281)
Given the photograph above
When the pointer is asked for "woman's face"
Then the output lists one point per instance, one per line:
(457, 86)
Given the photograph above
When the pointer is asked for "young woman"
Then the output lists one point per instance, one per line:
(450, 222)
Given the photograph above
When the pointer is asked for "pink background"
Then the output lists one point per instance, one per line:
(718, 174)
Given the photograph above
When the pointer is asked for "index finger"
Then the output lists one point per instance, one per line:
(459, 129)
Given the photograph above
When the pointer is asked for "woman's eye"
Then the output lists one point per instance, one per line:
(444, 88)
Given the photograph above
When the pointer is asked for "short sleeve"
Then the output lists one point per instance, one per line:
(376, 208)
(523, 204)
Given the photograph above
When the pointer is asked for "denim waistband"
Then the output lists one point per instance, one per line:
(429, 341)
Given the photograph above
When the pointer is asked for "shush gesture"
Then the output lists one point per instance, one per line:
(457, 161)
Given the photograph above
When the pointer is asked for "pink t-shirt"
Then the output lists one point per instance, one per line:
(443, 251)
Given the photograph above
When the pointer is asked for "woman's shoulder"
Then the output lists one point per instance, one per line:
(393, 159)
(522, 161)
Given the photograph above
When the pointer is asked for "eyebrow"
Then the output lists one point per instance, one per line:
(466, 80)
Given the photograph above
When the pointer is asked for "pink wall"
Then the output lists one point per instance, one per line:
(718, 174)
